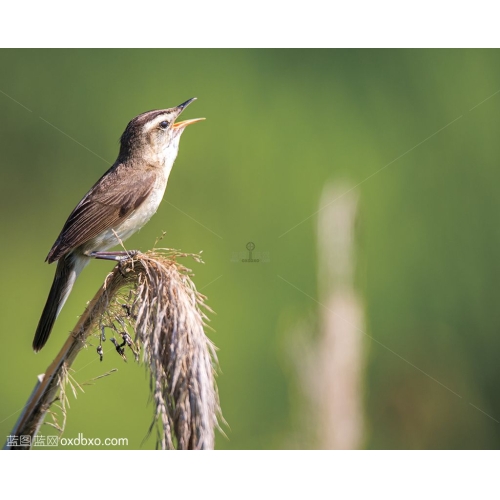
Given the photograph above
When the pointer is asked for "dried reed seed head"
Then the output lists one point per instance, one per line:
(155, 298)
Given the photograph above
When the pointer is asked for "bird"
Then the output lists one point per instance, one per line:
(117, 205)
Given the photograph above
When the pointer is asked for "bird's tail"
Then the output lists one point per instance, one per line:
(68, 269)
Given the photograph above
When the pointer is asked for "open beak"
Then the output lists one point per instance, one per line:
(185, 123)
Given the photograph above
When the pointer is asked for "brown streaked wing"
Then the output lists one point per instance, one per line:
(113, 198)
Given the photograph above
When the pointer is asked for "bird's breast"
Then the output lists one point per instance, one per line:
(141, 214)
(131, 224)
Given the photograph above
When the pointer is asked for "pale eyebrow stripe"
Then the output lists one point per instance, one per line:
(155, 121)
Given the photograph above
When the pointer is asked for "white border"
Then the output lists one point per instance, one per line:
(258, 24)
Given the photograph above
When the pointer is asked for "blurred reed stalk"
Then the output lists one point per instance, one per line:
(337, 384)
(153, 295)
(330, 367)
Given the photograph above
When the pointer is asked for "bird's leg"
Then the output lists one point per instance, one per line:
(116, 256)
(119, 256)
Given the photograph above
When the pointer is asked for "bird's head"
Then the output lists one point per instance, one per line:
(154, 136)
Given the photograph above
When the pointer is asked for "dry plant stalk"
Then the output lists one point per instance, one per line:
(330, 365)
(337, 384)
(153, 295)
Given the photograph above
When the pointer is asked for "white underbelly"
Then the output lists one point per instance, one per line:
(138, 218)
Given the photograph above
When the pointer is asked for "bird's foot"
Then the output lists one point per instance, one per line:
(120, 256)
(116, 256)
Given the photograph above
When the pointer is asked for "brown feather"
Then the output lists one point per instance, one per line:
(60, 286)
(112, 199)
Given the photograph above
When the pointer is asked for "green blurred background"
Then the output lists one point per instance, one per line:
(280, 124)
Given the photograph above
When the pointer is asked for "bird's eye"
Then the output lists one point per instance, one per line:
(164, 125)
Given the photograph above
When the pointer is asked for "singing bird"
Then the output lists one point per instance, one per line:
(118, 204)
